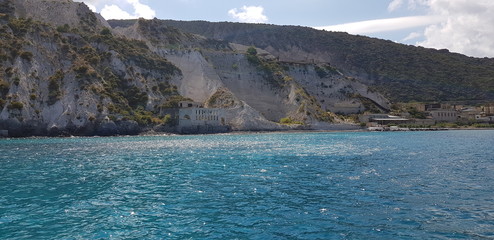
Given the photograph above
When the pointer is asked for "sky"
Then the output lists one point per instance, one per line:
(462, 26)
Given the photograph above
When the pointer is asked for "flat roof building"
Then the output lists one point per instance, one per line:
(193, 118)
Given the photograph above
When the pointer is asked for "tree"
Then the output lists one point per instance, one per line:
(105, 31)
(252, 51)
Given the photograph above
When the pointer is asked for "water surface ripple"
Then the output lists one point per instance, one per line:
(404, 185)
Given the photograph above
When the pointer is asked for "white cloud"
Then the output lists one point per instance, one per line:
(91, 6)
(92, 3)
(395, 4)
(463, 26)
(411, 36)
(467, 27)
(142, 10)
(250, 14)
(383, 25)
(119, 9)
(115, 12)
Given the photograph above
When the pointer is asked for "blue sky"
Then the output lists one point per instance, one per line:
(463, 26)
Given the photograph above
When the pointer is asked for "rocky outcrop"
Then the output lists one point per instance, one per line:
(60, 13)
(61, 81)
(239, 115)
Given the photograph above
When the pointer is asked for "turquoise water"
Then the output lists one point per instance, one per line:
(403, 185)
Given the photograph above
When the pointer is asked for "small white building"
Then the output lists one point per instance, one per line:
(444, 115)
(200, 116)
(193, 118)
(484, 119)
(488, 109)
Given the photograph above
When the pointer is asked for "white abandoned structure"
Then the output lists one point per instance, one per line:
(193, 118)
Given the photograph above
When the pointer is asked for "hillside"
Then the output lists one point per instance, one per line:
(64, 70)
(72, 79)
(274, 89)
(403, 73)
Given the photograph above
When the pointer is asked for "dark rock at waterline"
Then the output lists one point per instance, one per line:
(107, 129)
(110, 128)
(13, 126)
(128, 127)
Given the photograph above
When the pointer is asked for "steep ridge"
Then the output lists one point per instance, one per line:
(402, 73)
(60, 13)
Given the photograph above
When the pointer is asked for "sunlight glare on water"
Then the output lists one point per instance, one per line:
(407, 185)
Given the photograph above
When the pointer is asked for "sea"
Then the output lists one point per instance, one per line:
(304, 185)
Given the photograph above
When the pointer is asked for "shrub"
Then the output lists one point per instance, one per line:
(4, 16)
(4, 87)
(252, 51)
(64, 28)
(253, 59)
(168, 89)
(172, 102)
(105, 31)
(20, 26)
(135, 97)
(15, 105)
(252, 56)
(446, 125)
(321, 72)
(289, 120)
(27, 56)
(157, 121)
(414, 113)
(54, 92)
(81, 70)
(169, 120)
(143, 117)
(9, 71)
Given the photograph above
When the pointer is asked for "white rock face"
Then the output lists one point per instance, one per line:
(246, 118)
(250, 85)
(200, 80)
(204, 72)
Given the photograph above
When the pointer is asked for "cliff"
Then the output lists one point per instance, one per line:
(72, 77)
(66, 71)
(302, 92)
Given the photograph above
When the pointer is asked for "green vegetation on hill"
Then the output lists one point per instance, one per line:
(92, 55)
(403, 73)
